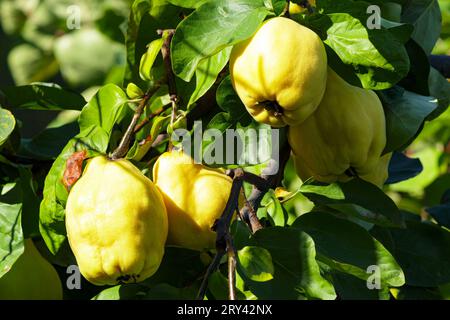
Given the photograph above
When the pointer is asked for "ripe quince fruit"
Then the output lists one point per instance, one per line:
(280, 72)
(345, 136)
(31, 278)
(116, 223)
(295, 8)
(195, 196)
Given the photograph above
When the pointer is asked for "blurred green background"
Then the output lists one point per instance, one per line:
(79, 44)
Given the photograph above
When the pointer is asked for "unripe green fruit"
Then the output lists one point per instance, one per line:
(31, 278)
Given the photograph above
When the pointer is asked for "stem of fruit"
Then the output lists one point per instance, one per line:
(165, 51)
(124, 144)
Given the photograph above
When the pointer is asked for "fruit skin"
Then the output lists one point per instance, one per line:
(195, 196)
(347, 130)
(283, 63)
(295, 8)
(116, 223)
(31, 278)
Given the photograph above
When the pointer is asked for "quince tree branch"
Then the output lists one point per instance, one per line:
(124, 144)
(224, 241)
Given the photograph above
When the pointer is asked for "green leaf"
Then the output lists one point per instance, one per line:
(371, 58)
(48, 144)
(425, 15)
(52, 210)
(296, 274)
(405, 114)
(422, 250)
(355, 191)
(146, 17)
(165, 291)
(29, 63)
(11, 236)
(207, 72)
(86, 56)
(7, 124)
(190, 4)
(30, 203)
(434, 192)
(121, 292)
(256, 263)
(218, 287)
(403, 168)
(103, 109)
(378, 58)
(148, 59)
(169, 270)
(349, 248)
(441, 214)
(349, 287)
(274, 209)
(440, 89)
(43, 96)
(416, 293)
(229, 101)
(419, 71)
(212, 27)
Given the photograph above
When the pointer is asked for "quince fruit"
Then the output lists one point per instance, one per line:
(195, 196)
(295, 8)
(116, 223)
(31, 278)
(344, 137)
(280, 72)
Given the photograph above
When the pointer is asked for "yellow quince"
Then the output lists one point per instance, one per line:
(195, 196)
(344, 137)
(280, 72)
(295, 8)
(116, 223)
(31, 278)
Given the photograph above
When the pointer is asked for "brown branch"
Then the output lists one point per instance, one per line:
(248, 211)
(211, 268)
(158, 112)
(231, 251)
(224, 243)
(222, 229)
(165, 51)
(124, 144)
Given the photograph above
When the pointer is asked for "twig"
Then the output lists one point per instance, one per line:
(158, 112)
(224, 243)
(165, 51)
(248, 211)
(257, 181)
(124, 144)
(221, 227)
(212, 267)
(231, 251)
